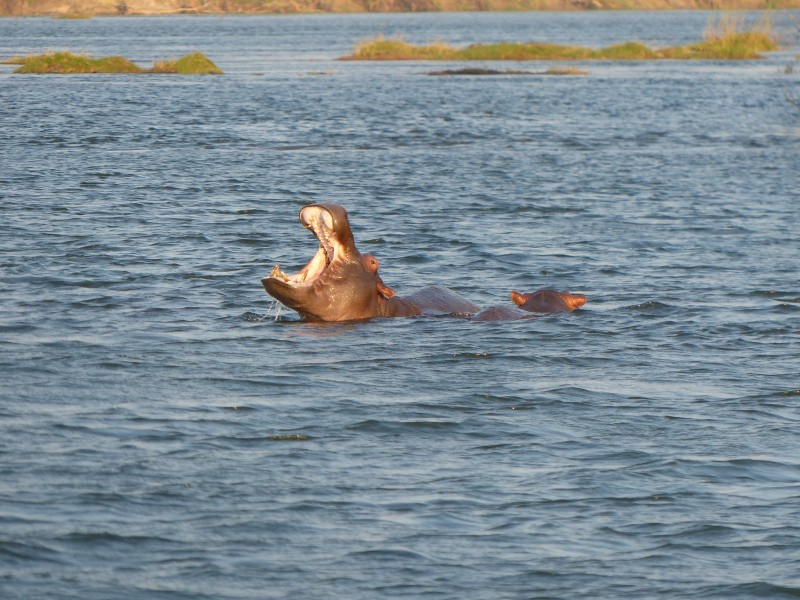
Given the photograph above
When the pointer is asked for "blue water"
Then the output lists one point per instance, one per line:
(168, 431)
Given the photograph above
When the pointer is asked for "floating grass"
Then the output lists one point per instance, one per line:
(724, 40)
(69, 63)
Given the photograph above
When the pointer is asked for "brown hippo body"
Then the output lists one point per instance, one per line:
(530, 306)
(341, 284)
(548, 301)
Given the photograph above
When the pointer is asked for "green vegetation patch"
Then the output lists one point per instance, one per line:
(627, 51)
(733, 46)
(724, 40)
(69, 63)
(531, 51)
(398, 49)
(191, 64)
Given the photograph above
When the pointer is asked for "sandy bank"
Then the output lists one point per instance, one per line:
(89, 8)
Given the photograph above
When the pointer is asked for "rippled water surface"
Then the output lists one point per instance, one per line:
(167, 431)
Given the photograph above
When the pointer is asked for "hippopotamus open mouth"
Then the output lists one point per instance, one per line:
(338, 283)
(321, 223)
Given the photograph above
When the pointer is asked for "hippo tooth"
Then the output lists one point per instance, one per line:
(275, 270)
(325, 242)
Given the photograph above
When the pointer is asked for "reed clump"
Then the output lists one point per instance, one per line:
(725, 39)
(728, 38)
(64, 62)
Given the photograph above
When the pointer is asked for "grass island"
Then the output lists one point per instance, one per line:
(723, 40)
(68, 63)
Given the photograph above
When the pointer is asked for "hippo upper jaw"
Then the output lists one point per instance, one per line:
(321, 222)
(328, 222)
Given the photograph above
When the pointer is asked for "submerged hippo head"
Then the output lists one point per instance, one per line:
(339, 283)
(548, 301)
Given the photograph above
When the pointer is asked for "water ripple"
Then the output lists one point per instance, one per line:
(167, 430)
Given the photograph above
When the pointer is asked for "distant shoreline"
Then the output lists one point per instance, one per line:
(92, 8)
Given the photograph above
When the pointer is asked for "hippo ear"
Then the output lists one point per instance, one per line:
(384, 290)
(519, 299)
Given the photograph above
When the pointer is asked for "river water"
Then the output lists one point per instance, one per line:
(168, 431)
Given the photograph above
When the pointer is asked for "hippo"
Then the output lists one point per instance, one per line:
(532, 305)
(548, 301)
(341, 284)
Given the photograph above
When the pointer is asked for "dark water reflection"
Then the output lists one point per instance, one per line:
(166, 433)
